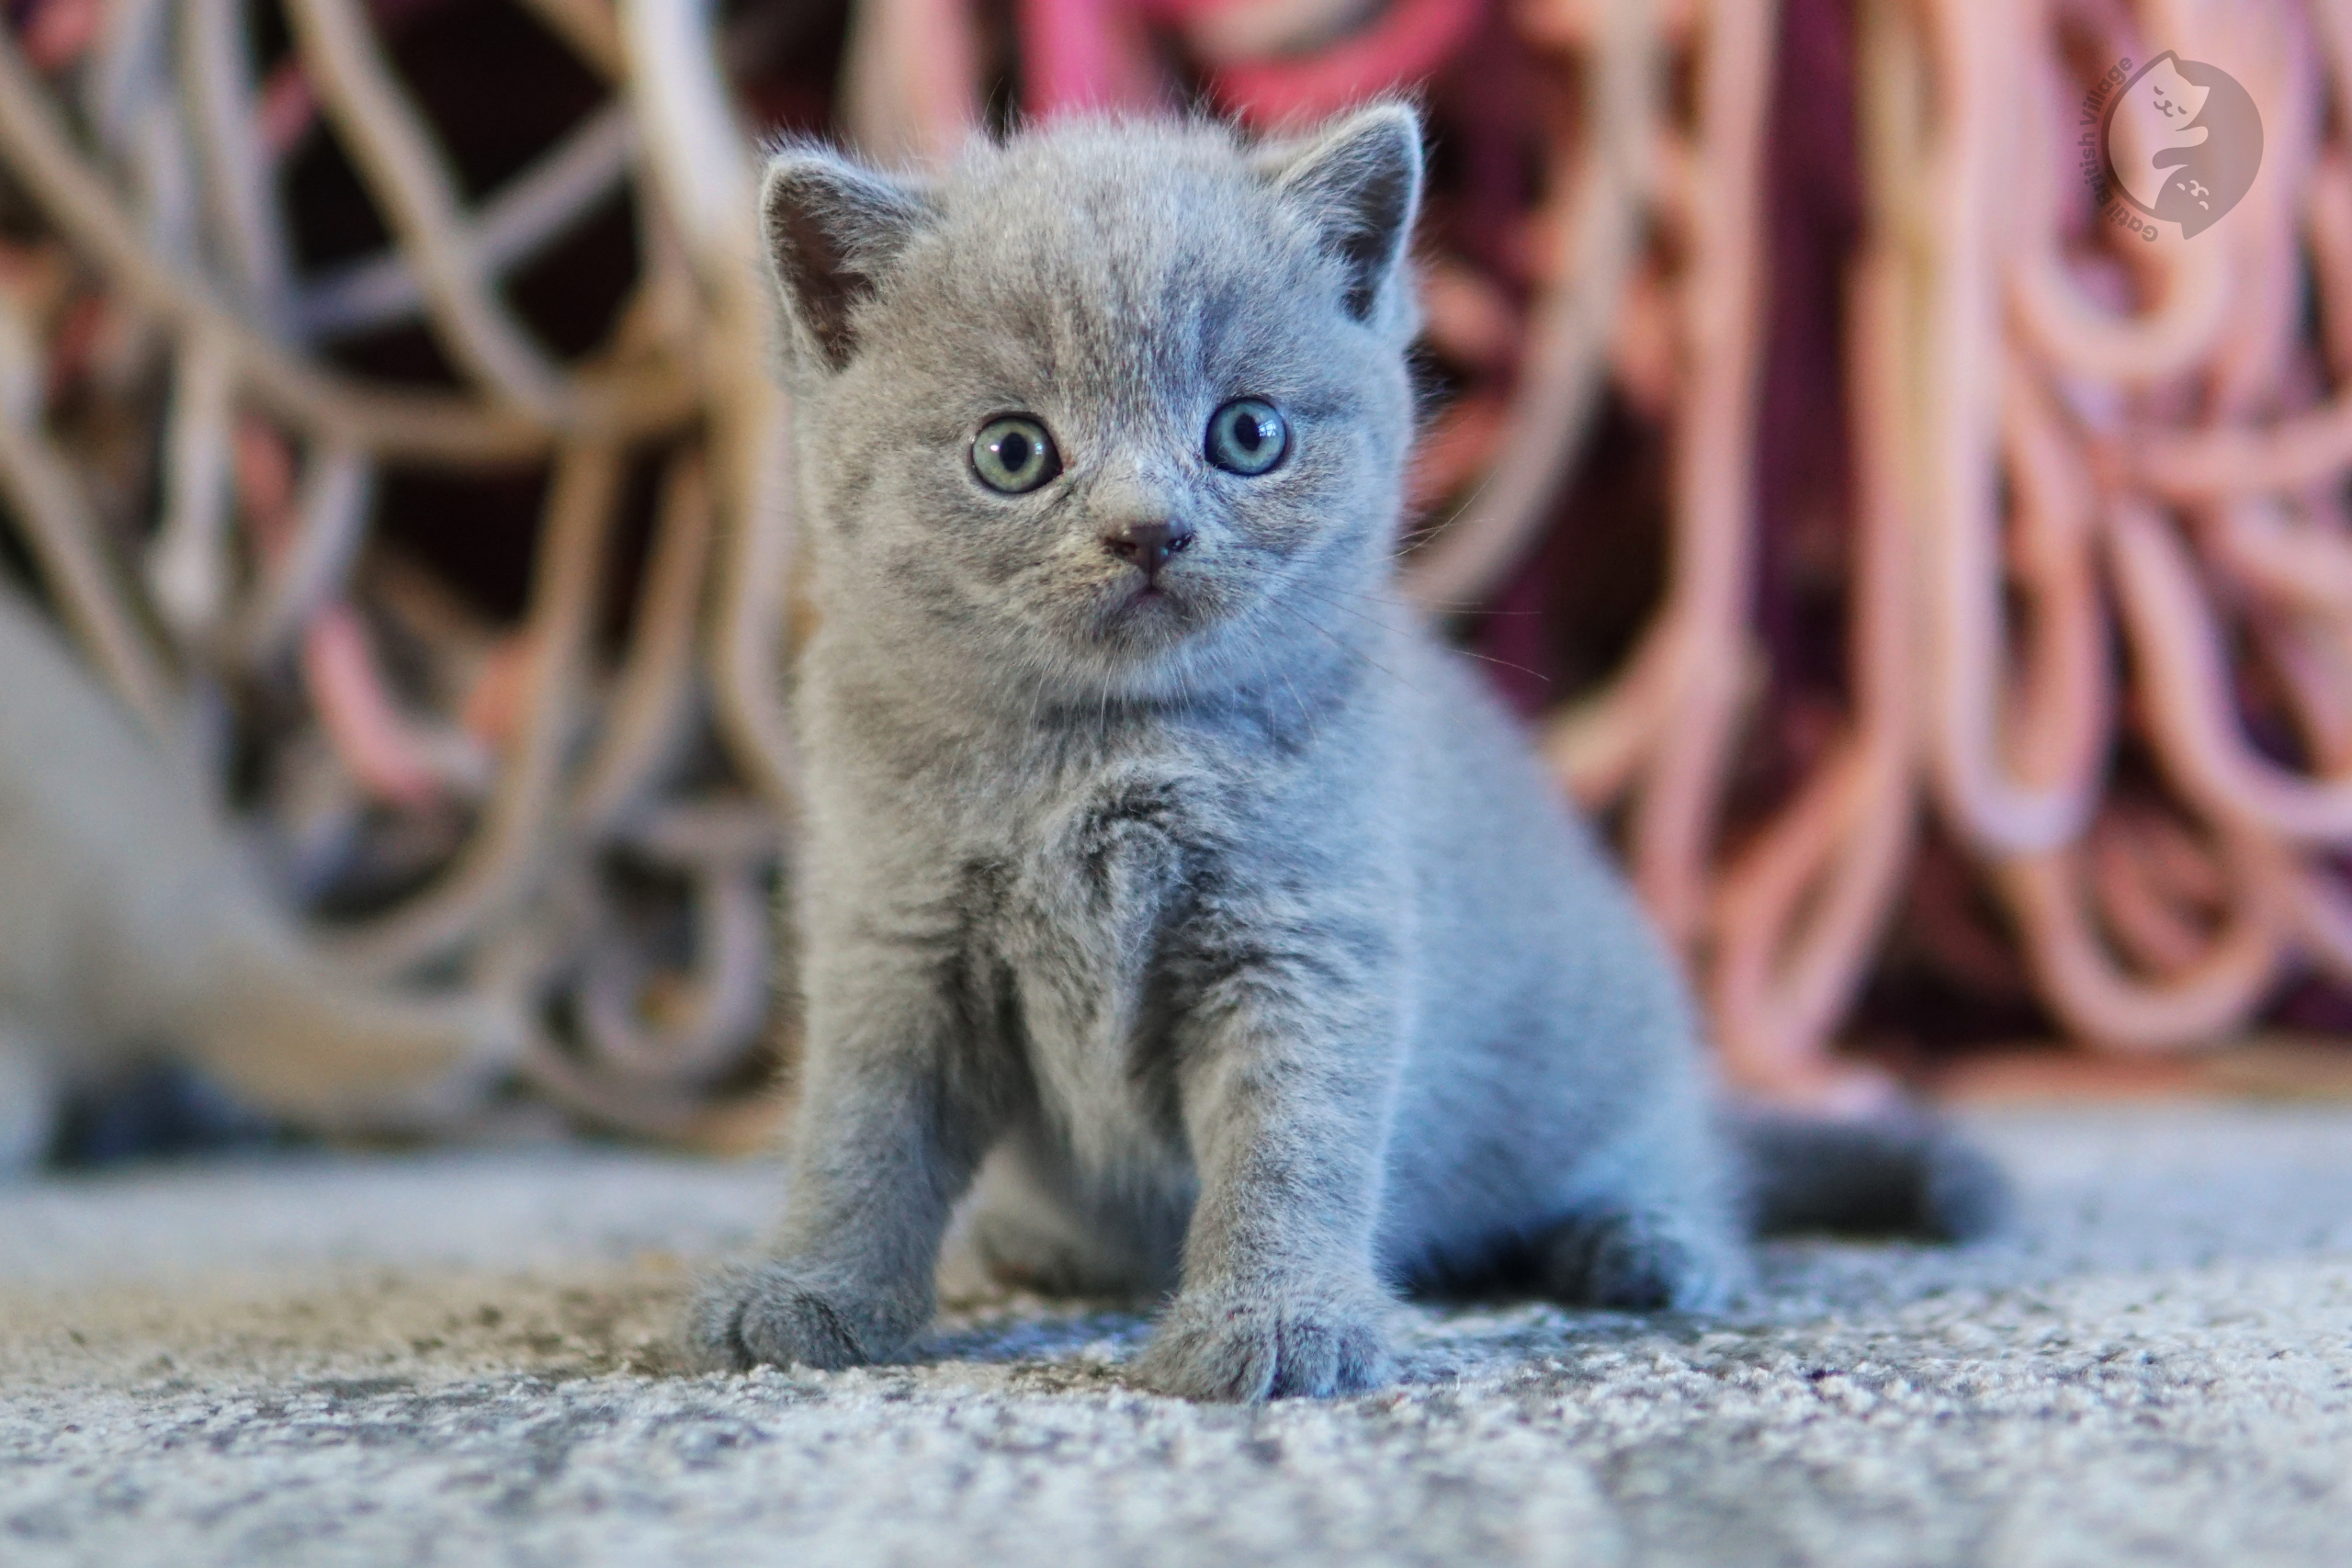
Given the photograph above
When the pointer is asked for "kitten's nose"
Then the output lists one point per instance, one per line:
(1149, 545)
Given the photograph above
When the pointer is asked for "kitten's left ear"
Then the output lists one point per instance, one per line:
(1360, 181)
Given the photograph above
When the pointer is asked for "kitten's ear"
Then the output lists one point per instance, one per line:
(1360, 181)
(831, 228)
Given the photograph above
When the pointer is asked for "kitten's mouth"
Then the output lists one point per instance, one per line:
(1151, 609)
(1147, 597)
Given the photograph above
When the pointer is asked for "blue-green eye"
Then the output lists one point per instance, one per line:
(1247, 436)
(1015, 454)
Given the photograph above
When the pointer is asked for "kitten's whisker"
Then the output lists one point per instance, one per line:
(1466, 652)
(1500, 663)
(1305, 716)
(1349, 648)
(1451, 607)
(1418, 536)
(1321, 598)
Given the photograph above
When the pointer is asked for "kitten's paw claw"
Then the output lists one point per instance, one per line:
(1240, 1350)
(765, 1315)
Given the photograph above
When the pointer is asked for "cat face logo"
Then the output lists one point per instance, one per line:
(2183, 141)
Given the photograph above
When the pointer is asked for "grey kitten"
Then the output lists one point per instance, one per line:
(1157, 859)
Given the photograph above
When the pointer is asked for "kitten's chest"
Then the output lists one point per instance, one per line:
(1094, 883)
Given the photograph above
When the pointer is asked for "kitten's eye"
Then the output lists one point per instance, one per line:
(1247, 436)
(1015, 454)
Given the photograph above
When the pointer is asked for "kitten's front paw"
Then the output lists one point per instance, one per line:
(1243, 1348)
(767, 1313)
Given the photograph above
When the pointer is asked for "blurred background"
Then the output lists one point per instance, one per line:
(1936, 579)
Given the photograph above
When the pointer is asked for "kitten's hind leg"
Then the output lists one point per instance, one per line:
(1634, 1259)
(1650, 1222)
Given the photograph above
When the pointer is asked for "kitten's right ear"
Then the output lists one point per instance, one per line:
(831, 228)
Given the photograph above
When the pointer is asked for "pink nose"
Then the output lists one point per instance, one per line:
(1149, 545)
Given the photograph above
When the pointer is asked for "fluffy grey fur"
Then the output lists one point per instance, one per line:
(1194, 889)
(130, 921)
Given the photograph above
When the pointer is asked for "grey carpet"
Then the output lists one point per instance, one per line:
(460, 1358)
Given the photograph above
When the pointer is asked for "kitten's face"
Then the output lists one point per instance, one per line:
(1117, 412)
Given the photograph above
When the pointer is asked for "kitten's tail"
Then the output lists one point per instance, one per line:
(299, 1039)
(1908, 1174)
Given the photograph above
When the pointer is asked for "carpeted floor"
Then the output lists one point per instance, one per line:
(460, 1358)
